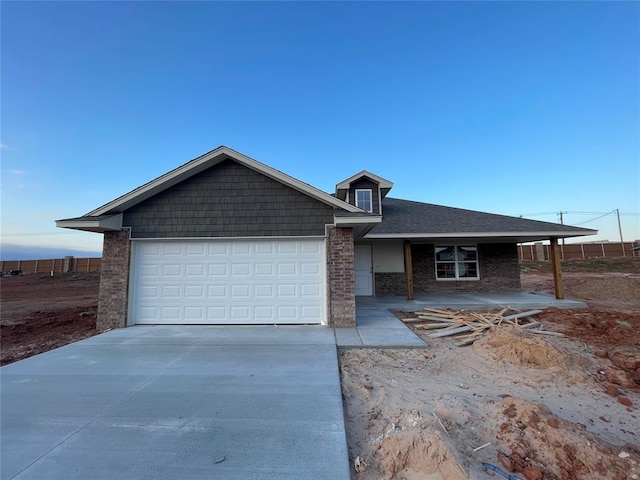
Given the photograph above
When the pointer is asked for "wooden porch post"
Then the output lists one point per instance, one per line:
(557, 268)
(408, 268)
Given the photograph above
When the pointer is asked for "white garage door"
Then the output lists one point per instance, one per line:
(228, 282)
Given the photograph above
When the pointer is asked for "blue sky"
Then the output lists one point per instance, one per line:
(515, 108)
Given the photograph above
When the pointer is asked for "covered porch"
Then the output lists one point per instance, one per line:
(474, 298)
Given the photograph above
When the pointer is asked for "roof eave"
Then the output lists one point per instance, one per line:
(357, 221)
(517, 237)
(382, 182)
(110, 224)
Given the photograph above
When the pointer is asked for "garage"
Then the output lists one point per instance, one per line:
(241, 282)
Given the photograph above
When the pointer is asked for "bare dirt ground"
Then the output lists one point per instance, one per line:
(548, 407)
(538, 407)
(40, 312)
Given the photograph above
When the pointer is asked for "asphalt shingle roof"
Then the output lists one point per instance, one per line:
(406, 216)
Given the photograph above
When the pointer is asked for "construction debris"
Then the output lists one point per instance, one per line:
(449, 322)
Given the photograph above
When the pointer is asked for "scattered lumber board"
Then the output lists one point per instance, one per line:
(448, 323)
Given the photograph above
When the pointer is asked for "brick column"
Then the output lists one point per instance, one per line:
(341, 287)
(114, 280)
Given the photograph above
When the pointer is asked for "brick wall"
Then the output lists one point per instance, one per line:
(498, 264)
(390, 284)
(114, 280)
(341, 291)
(228, 200)
(499, 272)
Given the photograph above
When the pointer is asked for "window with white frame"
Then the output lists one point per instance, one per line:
(364, 200)
(457, 262)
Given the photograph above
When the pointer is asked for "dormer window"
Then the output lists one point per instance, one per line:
(364, 200)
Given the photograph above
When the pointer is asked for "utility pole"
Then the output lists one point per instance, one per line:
(624, 254)
(562, 223)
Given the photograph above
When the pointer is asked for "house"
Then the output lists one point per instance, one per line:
(225, 239)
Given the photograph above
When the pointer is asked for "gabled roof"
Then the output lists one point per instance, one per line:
(409, 219)
(204, 162)
(383, 184)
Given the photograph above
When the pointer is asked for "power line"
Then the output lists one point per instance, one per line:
(594, 219)
(537, 214)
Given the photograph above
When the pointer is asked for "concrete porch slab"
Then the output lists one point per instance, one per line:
(468, 301)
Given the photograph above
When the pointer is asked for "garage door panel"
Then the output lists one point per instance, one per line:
(228, 282)
(218, 249)
(286, 268)
(195, 270)
(311, 290)
(286, 312)
(195, 249)
(265, 248)
(286, 248)
(240, 270)
(148, 313)
(172, 270)
(194, 291)
(309, 312)
(263, 292)
(240, 248)
(173, 249)
(216, 314)
(263, 269)
(218, 270)
(170, 313)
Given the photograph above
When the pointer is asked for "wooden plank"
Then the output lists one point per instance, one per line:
(545, 332)
(443, 312)
(446, 332)
(522, 314)
(434, 326)
(529, 325)
(413, 320)
(484, 319)
(436, 315)
(408, 268)
(438, 319)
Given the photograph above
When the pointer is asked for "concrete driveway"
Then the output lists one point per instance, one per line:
(177, 402)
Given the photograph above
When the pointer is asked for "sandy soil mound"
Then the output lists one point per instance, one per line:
(389, 437)
(439, 413)
(541, 445)
(407, 450)
(518, 347)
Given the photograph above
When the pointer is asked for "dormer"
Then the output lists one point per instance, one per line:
(364, 190)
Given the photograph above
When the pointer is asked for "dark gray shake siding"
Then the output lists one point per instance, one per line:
(228, 200)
